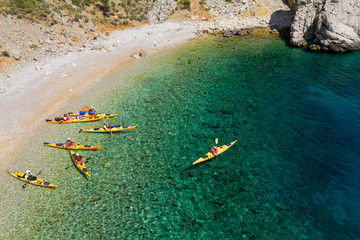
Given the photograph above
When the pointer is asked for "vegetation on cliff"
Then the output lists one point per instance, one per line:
(115, 12)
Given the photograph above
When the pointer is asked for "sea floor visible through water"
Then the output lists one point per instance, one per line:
(292, 174)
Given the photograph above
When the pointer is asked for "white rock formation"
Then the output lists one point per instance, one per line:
(326, 24)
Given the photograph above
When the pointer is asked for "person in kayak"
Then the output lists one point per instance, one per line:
(106, 126)
(78, 159)
(92, 112)
(79, 117)
(29, 176)
(66, 117)
(214, 150)
(70, 143)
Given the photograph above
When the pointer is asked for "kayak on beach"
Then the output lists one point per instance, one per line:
(112, 129)
(85, 114)
(78, 146)
(74, 120)
(81, 166)
(210, 155)
(38, 181)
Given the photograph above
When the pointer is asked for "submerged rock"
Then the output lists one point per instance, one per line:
(326, 24)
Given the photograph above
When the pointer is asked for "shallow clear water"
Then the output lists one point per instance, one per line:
(292, 174)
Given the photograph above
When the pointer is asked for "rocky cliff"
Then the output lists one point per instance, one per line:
(326, 24)
(160, 10)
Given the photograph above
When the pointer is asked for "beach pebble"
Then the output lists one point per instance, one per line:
(135, 55)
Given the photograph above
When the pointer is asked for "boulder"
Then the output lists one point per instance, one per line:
(135, 55)
(16, 53)
(326, 24)
(142, 53)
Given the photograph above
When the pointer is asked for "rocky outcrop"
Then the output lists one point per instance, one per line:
(161, 11)
(326, 24)
(26, 41)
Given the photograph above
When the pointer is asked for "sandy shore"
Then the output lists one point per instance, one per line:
(38, 90)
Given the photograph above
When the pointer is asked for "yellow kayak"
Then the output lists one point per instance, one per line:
(74, 120)
(81, 166)
(106, 115)
(209, 155)
(112, 129)
(38, 181)
(78, 146)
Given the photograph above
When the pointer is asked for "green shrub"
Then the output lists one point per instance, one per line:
(184, 4)
(132, 17)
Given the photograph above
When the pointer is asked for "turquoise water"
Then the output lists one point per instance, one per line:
(292, 174)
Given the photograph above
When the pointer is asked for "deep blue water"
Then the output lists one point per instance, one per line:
(293, 174)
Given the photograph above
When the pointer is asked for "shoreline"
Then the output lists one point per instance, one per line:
(40, 90)
(37, 90)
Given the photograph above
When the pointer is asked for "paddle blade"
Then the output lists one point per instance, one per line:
(216, 141)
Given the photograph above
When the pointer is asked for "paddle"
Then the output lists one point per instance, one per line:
(80, 131)
(216, 142)
(73, 164)
(23, 186)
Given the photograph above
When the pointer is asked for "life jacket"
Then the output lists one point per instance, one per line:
(106, 127)
(91, 112)
(78, 159)
(69, 142)
(214, 151)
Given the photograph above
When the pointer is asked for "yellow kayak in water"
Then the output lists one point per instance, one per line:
(74, 120)
(81, 166)
(106, 115)
(112, 129)
(38, 181)
(209, 155)
(78, 146)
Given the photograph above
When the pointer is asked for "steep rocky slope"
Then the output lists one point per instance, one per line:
(326, 24)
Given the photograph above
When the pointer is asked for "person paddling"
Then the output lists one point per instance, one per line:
(106, 126)
(92, 112)
(29, 177)
(70, 143)
(214, 150)
(78, 159)
(66, 117)
(79, 117)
